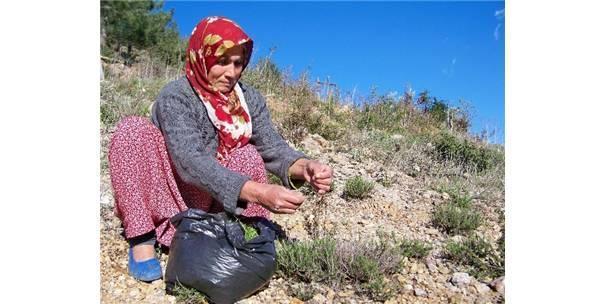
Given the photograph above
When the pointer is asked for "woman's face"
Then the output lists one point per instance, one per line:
(224, 74)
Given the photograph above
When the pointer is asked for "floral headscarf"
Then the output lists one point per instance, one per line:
(210, 39)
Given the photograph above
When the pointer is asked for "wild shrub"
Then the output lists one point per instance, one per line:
(264, 76)
(363, 263)
(357, 187)
(477, 256)
(187, 295)
(364, 269)
(461, 201)
(454, 220)
(439, 111)
(314, 261)
(121, 98)
(382, 113)
(472, 156)
(414, 248)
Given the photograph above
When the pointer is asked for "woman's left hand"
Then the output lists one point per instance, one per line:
(318, 175)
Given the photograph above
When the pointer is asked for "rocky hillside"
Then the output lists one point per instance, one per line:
(416, 195)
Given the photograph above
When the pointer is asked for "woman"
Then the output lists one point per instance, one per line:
(208, 148)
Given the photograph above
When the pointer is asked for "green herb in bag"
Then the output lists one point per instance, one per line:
(250, 232)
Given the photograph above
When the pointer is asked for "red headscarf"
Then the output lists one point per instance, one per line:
(209, 40)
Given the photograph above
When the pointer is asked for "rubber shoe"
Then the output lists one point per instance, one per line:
(146, 271)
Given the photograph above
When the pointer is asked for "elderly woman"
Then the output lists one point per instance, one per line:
(208, 148)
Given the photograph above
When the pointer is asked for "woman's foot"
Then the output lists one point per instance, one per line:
(143, 264)
(143, 252)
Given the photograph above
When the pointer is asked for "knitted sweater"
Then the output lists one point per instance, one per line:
(191, 140)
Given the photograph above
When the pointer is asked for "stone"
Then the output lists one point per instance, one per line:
(107, 199)
(295, 301)
(346, 294)
(432, 267)
(498, 285)
(444, 270)
(311, 145)
(408, 287)
(433, 231)
(330, 295)
(420, 292)
(414, 268)
(320, 140)
(401, 278)
(460, 279)
(456, 299)
(457, 238)
(451, 287)
(481, 288)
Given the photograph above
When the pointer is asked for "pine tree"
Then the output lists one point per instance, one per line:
(142, 25)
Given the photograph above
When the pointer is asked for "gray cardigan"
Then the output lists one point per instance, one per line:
(191, 140)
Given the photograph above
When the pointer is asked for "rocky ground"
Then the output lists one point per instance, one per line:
(404, 207)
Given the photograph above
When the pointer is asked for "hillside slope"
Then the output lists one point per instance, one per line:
(432, 186)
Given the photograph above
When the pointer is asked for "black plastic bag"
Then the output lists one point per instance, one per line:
(209, 253)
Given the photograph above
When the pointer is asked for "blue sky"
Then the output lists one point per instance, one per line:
(456, 50)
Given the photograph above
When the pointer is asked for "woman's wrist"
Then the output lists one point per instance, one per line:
(296, 170)
(250, 192)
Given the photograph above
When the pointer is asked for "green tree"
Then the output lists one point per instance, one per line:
(438, 110)
(140, 25)
(424, 100)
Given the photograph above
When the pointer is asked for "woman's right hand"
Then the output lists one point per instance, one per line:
(274, 198)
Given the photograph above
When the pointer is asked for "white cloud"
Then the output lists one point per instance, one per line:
(499, 14)
(496, 32)
(449, 71)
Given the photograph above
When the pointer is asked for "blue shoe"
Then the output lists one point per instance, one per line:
(146, 271)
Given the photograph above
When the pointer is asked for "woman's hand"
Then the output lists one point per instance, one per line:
(274, 198)
(318, 175)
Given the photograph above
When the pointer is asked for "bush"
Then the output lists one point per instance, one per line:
(454, 219)
(363, 263)
(364, 269)
(264, 76)
(121, 98)
(459, 198)
(465, 152)
(414, 248)
(357, 187)
(187, 295)
(382, 113)
(478, 256)
(439, 111)
(315, 261)
(367, 272)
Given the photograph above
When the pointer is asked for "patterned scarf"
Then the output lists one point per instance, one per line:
(210, 39)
